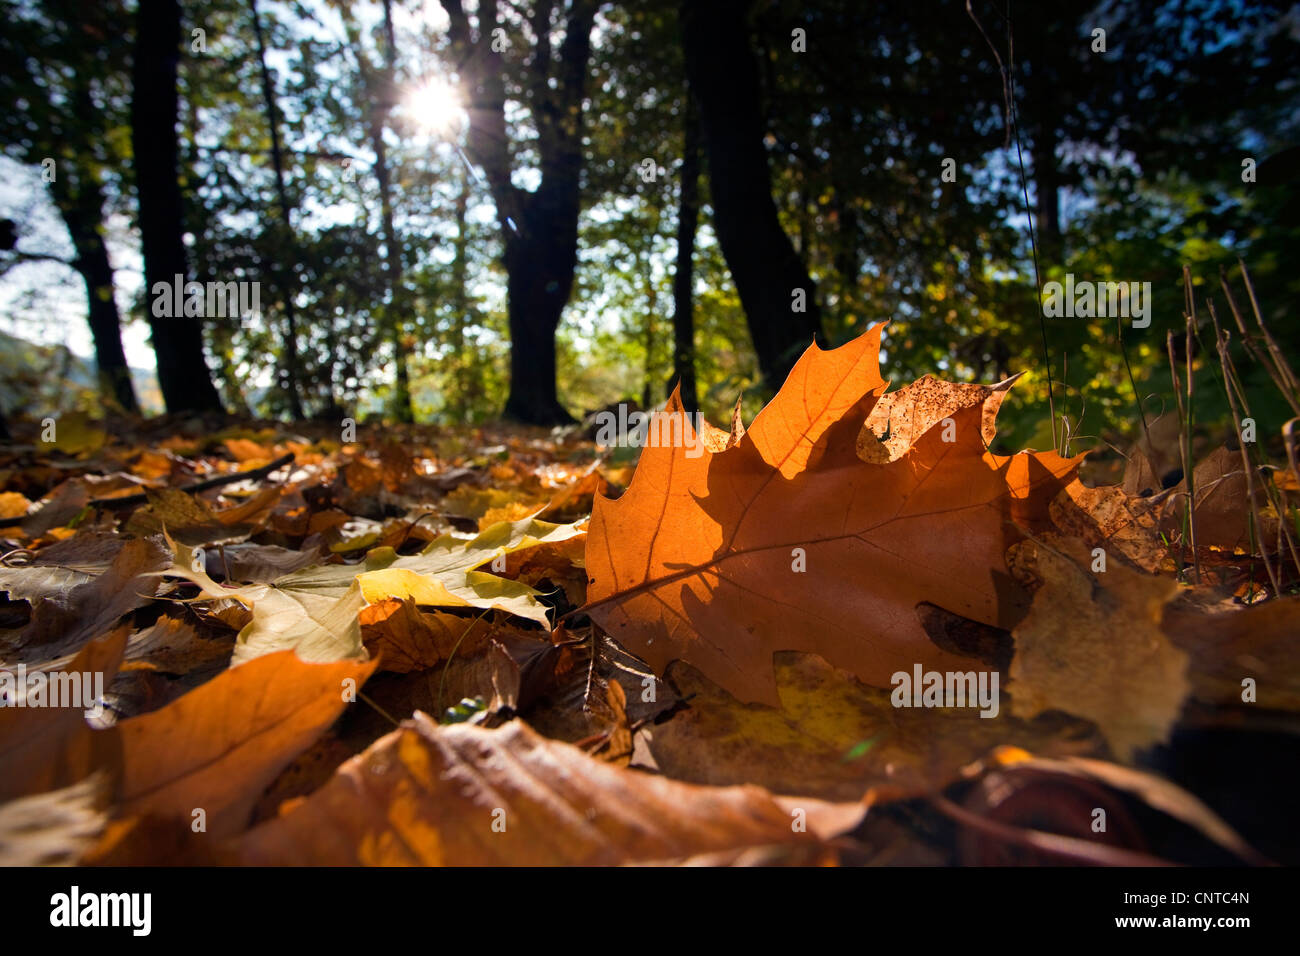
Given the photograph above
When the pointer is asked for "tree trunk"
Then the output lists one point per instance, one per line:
(1043, 115)
(384, 101)
(767, 271)
(292, 372)
(688, 218)
(539, 271)
(540, 228)
(183, 374)
(82, 206)
(645, 265)
(469, 384)
(401, 404)
(847, 256)
(1047, 187)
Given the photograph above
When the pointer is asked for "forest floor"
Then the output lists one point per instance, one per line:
(388, 647)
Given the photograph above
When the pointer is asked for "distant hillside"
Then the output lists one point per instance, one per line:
(36, 378)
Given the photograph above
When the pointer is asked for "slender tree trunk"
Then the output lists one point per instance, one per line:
(847, 255)
(1042, 123)
(648, 387)
(469, 385)
(384, 97)
(775, 289)
(401, 404)
(688, 218)
(82, 207)
(288, 287)
(1047, 185)
(183, 374)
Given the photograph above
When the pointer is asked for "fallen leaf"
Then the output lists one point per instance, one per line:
(835, 737)
(185, 519)
(1226, 648)
(430, 795)
(46, 748)
(1223, 505)
(1106, 517)
(407, 639)
(574, 708)
(316, 624)
(444, 574)
(57, 568)
(1092, 646)
(13, 505)
(907, 414)
(258, 563)
(54, 828)
(59, 507)
(62, 624)
(217, 747)
(789, 541)
(77, 432)
(174, 646)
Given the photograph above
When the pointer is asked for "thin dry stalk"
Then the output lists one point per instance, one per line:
(1185, 452)
(1232, 387)
(1293, 459)
(1286, 542)
(1284, 369)
(1247, 340)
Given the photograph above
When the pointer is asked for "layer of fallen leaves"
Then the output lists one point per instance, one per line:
(496, 646)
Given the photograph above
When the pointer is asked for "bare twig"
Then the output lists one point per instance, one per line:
(198, 486)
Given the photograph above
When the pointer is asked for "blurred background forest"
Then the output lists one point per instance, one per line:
(455, 211)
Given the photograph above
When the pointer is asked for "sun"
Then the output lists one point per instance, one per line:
(435, 105)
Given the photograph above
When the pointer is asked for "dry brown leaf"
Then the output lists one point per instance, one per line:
(1256, 642)
(1108, 517)
(60, 506)
(900, 418)
(1140, 478)
(491, 659)
(834, 737)
(57, 568)
(1092, 646)
(430, 795)
(257, 563)
(54, 828)
(405, 639)
(62, 624)
(173, 646)
(46, 748)
(575, 708)
(1223, 505)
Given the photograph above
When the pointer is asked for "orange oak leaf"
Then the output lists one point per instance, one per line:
(217, 747)
(50, 747)
(789, 540)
